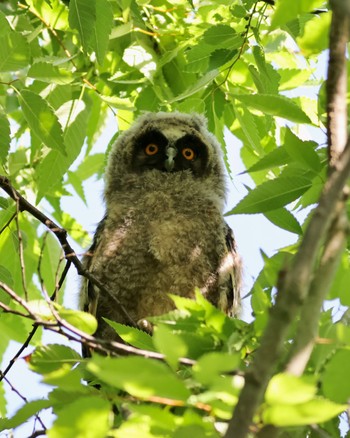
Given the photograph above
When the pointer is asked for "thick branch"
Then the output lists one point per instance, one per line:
(294, 286)
(61, 235)
(337, 80)
(308, 326)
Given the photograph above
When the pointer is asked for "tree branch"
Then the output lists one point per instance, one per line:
(292, 291)
(336, 86)
(61, 235)
(295, 283)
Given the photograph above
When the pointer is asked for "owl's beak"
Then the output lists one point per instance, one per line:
(169, 162)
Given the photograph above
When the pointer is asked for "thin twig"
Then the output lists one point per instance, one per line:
(2, 377)
(35, 325)
(21, 252)
(61, 235)
(41, 280)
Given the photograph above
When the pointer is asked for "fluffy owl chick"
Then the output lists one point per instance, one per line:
(163, 231)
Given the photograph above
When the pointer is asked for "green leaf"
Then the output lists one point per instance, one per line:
(272, 195)
(4, 137)
(277, 157)
(136, 338)
(42, 120)
(335, 382)
(82, 16)
(81, 320)
(313, 411)
(86, 417)
(47, 72)
(315, 38)
(285, 388)
(24, 413)
(54, 166)
(247, 122)
(136, 375)
(102, 29)
(14, 53)
(302, 152)
(222, 36)
(199, 86)
(286, 10)
(48, 358)
(278, 106)
(169, 344)
(283, 218)
(210, 366)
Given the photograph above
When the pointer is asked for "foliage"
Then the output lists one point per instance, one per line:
(251, 68)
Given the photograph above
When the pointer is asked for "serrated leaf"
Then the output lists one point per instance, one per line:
(54, 166)
(283, 218)
(314, 411)
(42, 120)
(246, 120)
(210, 366)
(4, 137)
(278, 106)
(82, 16)
(202, 83)
(302, 152)
(222, 36)
(14, 53)
(81, 320)
(85, 417)
(271, 195)
(169, 344)
(47, 72)
(136, 338)
(286, 10)
(139, 376)
(315, 37)
(277, 157)
(24, 413)
(48, 358)
(102, 29)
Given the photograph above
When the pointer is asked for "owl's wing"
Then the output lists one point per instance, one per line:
(89, 292)
(234, 282)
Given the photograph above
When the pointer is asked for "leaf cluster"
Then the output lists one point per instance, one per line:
(66, 70)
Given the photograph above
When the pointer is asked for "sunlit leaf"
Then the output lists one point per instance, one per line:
(136, 376)
(82, 16)
(42, 120)
(132, 336)
(48, 358)
(24, 413)
(271, 195)
(314, 411)
(279, 106)
(85, 417)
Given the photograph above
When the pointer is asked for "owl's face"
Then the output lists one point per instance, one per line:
(166, 148)
(169, 150)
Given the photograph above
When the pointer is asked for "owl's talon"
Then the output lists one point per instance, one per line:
(145, 325)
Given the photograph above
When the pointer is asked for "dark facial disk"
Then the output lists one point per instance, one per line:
(153, 151)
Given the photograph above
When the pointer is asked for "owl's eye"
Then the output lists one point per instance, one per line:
(151, 149)
(189, 154)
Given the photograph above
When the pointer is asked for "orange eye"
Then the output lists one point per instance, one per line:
(189, 154)
(151, 149)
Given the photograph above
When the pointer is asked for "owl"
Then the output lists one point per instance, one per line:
(163, 231)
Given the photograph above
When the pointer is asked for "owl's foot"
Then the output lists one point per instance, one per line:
(145, 325)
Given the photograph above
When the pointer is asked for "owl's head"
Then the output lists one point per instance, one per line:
(165, 143)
